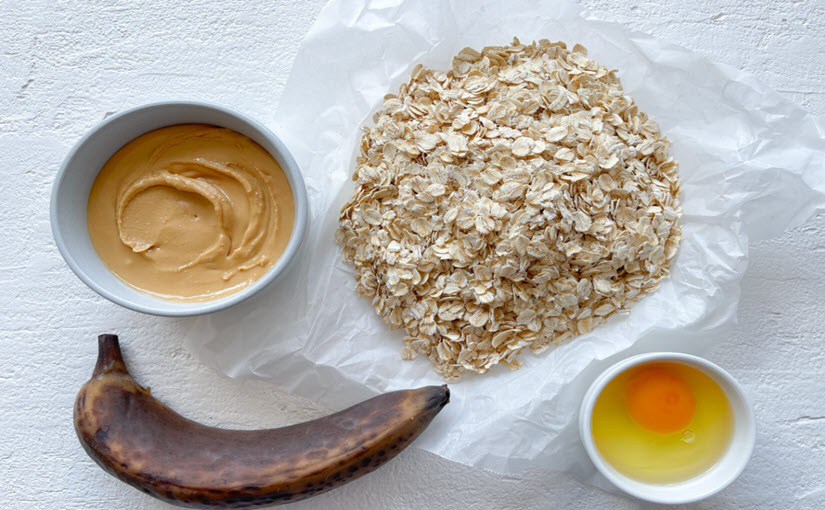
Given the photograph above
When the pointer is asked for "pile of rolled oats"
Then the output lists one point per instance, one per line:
(516, 201)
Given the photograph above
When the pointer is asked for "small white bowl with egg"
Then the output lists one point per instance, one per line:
(725, 470)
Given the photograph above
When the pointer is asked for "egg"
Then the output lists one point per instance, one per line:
(662, 422)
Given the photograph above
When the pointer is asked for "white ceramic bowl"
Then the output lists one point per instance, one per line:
(73, 183)
(708, 483)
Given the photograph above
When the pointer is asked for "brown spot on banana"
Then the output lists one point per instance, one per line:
(136, 438)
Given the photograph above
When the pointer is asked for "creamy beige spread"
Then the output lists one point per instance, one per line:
(190, 212)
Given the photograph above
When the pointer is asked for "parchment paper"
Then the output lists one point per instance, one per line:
(751, 165)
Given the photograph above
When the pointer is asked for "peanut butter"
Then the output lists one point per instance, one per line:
(190, 212)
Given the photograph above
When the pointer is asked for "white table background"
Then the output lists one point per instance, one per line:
(65, 65)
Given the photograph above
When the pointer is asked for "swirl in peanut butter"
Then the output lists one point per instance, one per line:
(190, 212)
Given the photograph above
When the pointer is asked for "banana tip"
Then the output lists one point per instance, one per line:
(109, 357)
(439, 397)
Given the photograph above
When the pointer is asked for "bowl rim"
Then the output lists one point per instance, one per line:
(161, 307)
(709, 368)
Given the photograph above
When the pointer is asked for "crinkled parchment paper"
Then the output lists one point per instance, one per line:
(751, 163)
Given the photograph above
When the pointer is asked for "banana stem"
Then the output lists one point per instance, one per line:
(109, 357)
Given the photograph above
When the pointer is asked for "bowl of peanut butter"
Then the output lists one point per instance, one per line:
(179, 208)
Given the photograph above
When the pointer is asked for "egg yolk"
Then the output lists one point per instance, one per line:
(659, 400)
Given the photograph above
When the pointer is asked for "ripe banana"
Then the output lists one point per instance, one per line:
(142, 442)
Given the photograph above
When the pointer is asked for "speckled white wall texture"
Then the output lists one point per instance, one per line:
(64, 65)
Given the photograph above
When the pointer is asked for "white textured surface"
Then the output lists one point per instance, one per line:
(63, 66)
